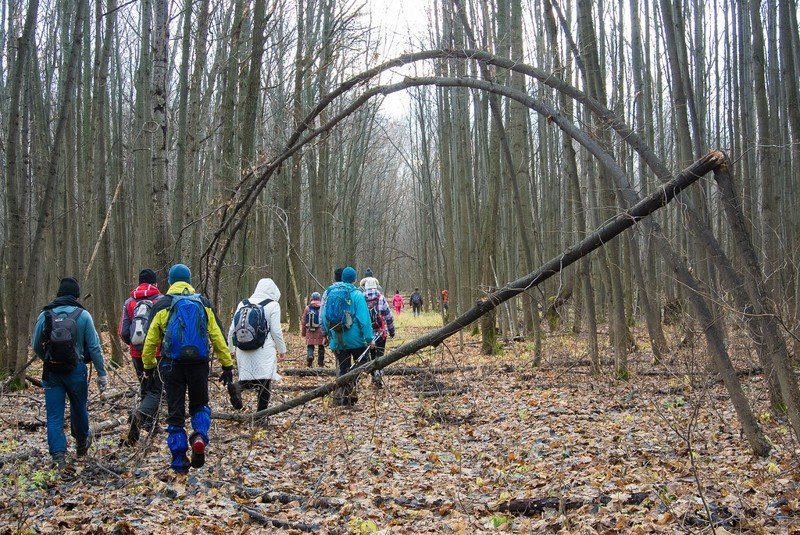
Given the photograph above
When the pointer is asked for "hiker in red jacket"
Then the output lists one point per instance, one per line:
(135, 316)
(133, 327)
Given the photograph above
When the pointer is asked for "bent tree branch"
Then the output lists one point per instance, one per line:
(597, 239)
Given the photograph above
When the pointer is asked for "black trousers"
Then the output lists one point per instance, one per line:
(345, 359)
(180, 378)
(262, 386)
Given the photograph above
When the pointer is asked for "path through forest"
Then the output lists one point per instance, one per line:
(591, 455)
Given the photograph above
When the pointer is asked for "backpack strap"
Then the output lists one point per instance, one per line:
(245, 302)
(75, 314)
(265, 302)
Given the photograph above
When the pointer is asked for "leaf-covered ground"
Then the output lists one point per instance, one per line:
(657, 453)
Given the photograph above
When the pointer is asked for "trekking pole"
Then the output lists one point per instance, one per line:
(366, 351)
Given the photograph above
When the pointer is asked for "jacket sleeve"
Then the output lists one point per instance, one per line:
(386, 312)
(124, 330)
(231, 347)
(275, 328)
(155, 335)
(36, 341)
(91, 344)
(217, 339)
(362, 316)
(323, 323)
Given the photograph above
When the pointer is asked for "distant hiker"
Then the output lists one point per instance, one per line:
(346, 323)
(416, 302)
(133, 327)
(66, 340)
(311, 329)
(397, 301)
(369, 281)
(382, 326)
(184, 325)
(255, 336)
(445, 301)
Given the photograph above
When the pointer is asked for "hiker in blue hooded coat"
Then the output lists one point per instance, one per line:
(350, 340)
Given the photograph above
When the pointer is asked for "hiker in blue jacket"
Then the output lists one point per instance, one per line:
(346, 322)
(66, 340)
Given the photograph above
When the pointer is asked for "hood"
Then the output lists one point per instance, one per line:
(145, 289)
(179, 287)
(371, 294)
(265, 289)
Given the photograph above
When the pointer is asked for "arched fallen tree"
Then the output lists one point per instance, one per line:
(609, 231)
(762, 324)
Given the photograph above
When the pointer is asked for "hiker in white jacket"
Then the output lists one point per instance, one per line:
(257, 367)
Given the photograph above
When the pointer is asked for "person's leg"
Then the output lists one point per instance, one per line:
(321, 356)
(197, 378)
(148, 408)
(77, 389)
(263, 394)
(175, 391)
(343, 366)
(138, 367)
(54, 400)
(350, 389)
(380, 349)
(309, 355)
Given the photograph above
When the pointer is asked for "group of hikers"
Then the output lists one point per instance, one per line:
(172, 338)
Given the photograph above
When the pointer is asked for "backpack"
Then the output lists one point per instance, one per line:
(339, 308)
(140, 322)
(186, 334)
(250, 325)
(61, 355)
(416, 299)
(312, 318)
(375, 315)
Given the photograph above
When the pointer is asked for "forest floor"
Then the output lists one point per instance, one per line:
(594, 454)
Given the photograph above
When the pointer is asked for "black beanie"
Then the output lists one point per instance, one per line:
(368, 272)
(337, 275)
(147, 275)
(69, 286)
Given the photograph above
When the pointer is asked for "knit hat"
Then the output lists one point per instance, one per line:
(349, 275)
(179, 272)
(337, 275)
(147, 275)
(368, 272)
(315, 296)
(69, 286)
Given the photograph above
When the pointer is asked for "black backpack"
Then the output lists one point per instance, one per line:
(60, 353)
(251, 326)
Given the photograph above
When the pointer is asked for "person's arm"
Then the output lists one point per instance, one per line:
(275, 328)
(155, 335)
(388, 317)
(36, 340)
(231, 347)
(124, 330)
(91, 344)
(362, 316)
(217, 339)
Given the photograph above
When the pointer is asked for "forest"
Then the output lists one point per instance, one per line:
(603, 188)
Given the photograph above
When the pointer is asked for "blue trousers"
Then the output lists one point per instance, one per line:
(57, 388)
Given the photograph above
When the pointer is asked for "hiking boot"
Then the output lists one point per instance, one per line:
(133, 433)
(59, 460)
(83, 447)
(198, 452)
(235, 395)
(310, 362)
(377, 380)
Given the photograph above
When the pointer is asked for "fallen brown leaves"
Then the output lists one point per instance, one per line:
(496, 446)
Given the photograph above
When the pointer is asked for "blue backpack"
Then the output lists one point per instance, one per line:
(339, 308)
(186, 336)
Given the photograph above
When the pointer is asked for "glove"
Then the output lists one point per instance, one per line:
(391, 334)
(102, 382)
(227, 375)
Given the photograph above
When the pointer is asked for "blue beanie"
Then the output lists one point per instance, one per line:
(179, 272)
(349, 275)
